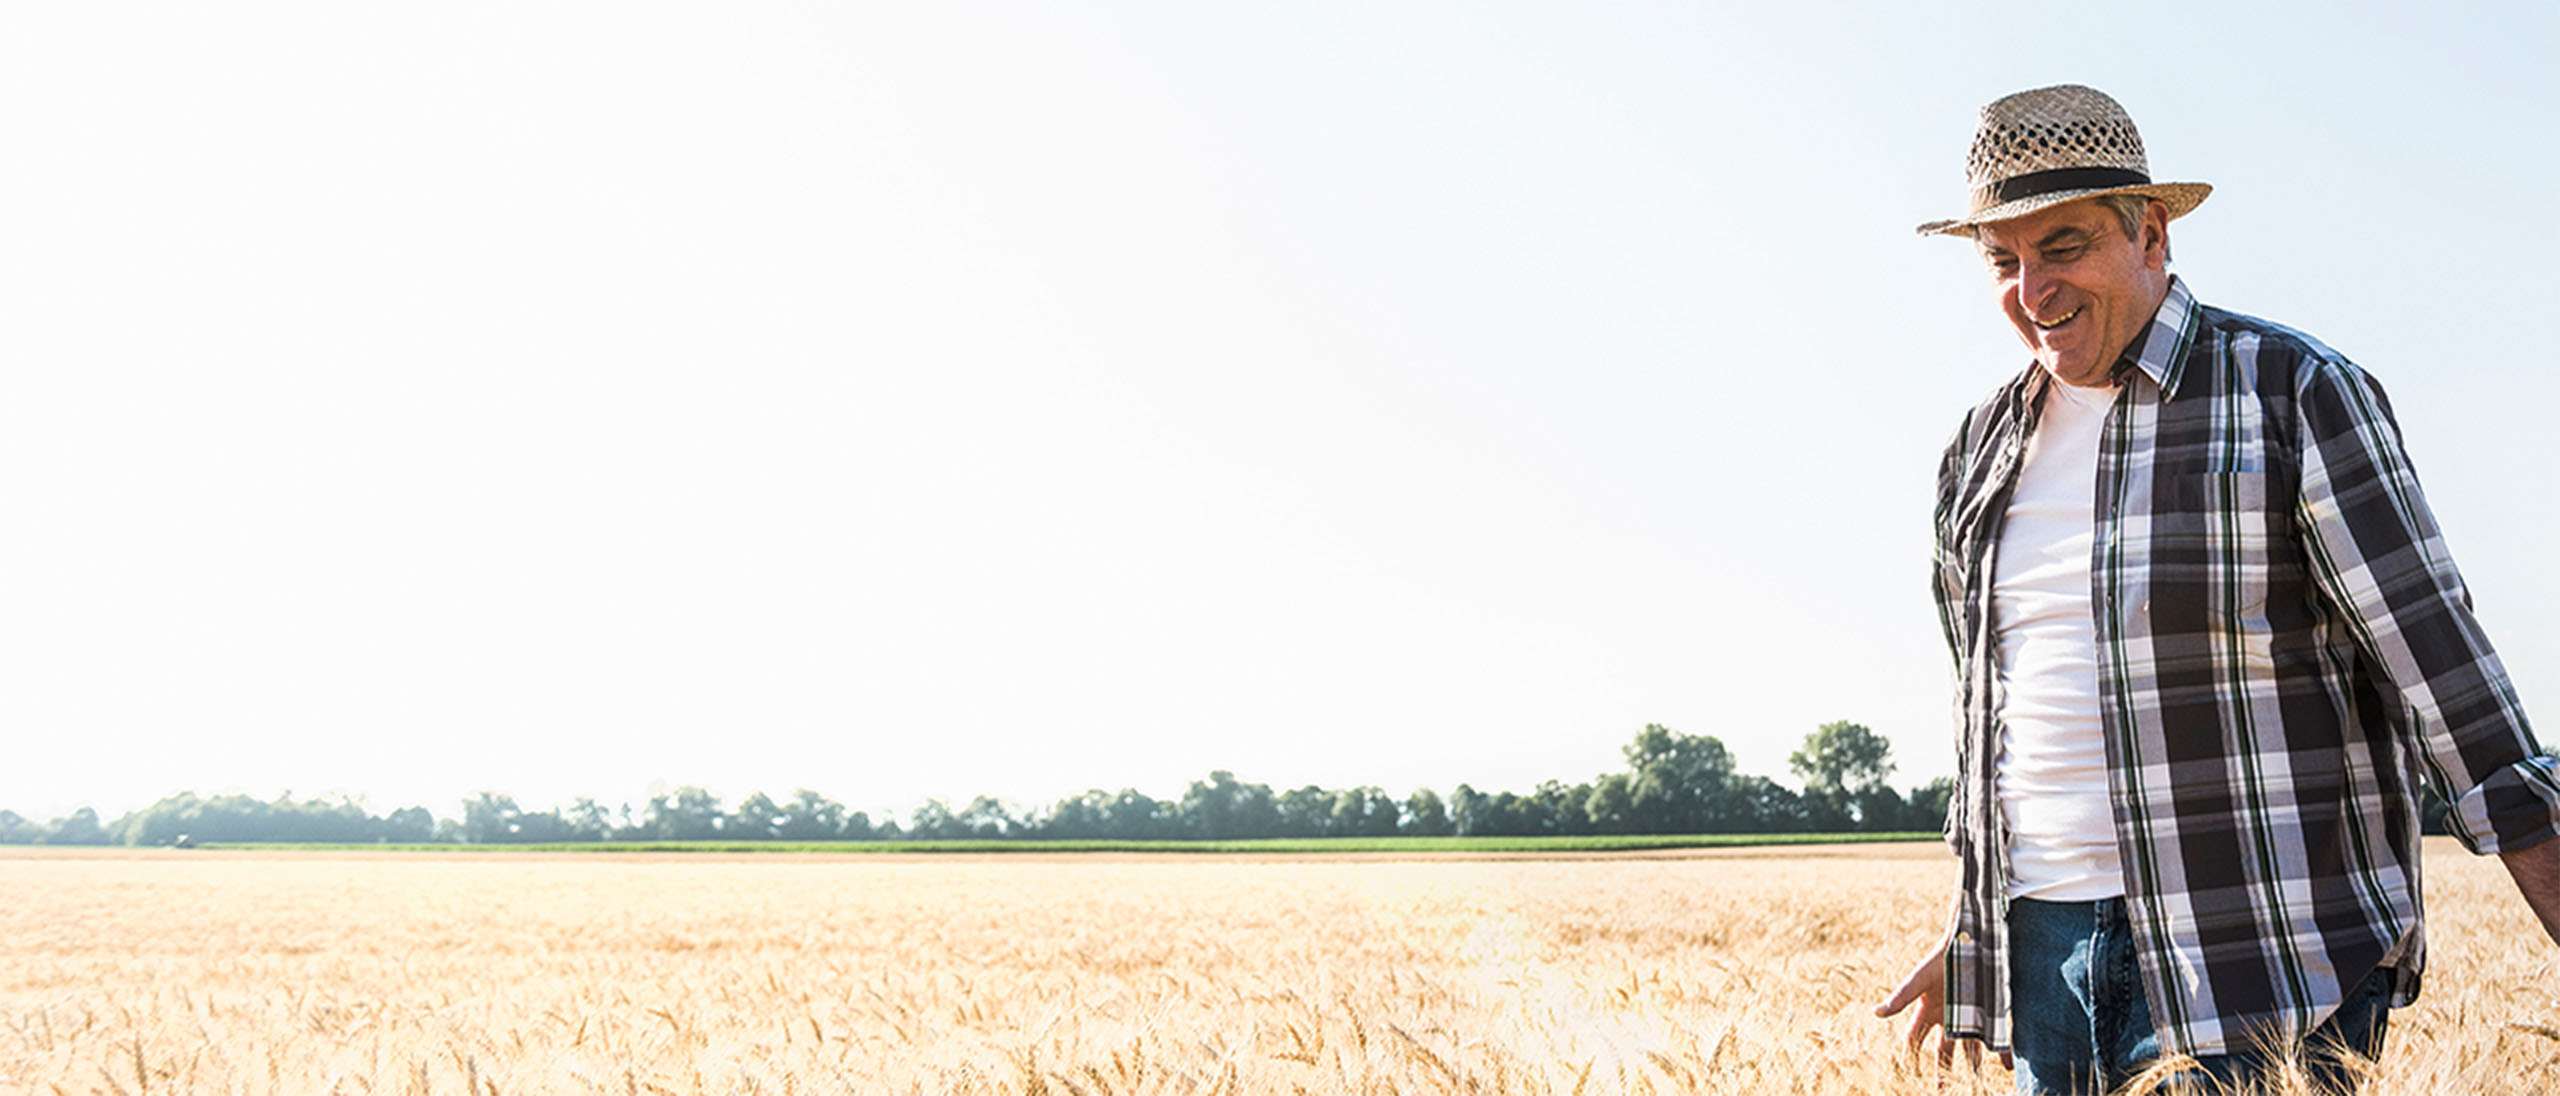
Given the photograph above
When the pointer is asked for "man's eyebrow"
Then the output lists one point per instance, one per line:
(2062, 235)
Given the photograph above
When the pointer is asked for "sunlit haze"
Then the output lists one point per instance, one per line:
(933, 400)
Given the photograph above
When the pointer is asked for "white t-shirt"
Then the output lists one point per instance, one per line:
(2052, 773)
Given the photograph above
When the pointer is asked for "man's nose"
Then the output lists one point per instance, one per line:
(2035, 286)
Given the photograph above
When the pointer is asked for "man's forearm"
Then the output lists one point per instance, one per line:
(2537, 873)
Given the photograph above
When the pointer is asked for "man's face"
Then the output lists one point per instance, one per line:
(2074, 286)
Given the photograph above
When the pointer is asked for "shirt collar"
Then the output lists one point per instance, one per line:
(2160, 352)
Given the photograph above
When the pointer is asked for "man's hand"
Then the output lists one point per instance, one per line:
(2537, 873)
(1928, 987)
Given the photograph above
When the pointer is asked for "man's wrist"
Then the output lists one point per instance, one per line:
(2536, 869)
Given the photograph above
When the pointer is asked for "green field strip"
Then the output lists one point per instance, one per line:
(1312, 845)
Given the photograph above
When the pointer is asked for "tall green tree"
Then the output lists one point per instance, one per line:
(811, 817)
(81, 827)
(1679, 783)
(1844, 767)
(932, 820)
(687, 814)
(1303, 812)
(1559, 808)
(1467, 810)
(1077, 817)
(1843, 757)
(1224, 808)
(1362, 812)
(16, 829)
(1137, 815)
(1425, 815)
(1612, 805)
(408, 825)
(489, 818)
(986, 817)
(543, 827)
(758, 818)
(588, 820)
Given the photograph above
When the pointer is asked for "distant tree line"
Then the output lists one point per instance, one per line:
(1673, 783)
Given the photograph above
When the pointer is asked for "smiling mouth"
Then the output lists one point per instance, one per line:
(2059, 321)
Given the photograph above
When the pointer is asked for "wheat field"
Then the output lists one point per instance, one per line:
(1734, 971)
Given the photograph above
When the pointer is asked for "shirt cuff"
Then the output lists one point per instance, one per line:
(2516, 808)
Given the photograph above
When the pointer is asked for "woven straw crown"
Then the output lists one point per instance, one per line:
(2041, 148)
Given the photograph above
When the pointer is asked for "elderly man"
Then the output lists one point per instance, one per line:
(2208, 641)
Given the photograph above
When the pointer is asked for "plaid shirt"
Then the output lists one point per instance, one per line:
(2284, 647)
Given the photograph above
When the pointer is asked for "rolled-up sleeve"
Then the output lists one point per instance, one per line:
(2377, 555)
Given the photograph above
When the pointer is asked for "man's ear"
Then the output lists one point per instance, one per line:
(2155, 235)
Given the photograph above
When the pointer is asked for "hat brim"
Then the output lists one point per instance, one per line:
(2181, 198)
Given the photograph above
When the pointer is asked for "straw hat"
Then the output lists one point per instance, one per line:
(2052, 145)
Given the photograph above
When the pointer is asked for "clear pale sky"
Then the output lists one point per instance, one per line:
(910, 400)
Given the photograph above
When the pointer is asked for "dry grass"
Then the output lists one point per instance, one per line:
(1734, 972)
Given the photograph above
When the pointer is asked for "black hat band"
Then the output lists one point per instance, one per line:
(2068, 178)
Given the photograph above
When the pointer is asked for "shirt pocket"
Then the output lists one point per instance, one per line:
(2217, 490)
(2214, 546)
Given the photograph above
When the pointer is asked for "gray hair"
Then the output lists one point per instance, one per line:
(2129, 209)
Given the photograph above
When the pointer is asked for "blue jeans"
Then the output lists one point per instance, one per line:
(2079, 1022)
